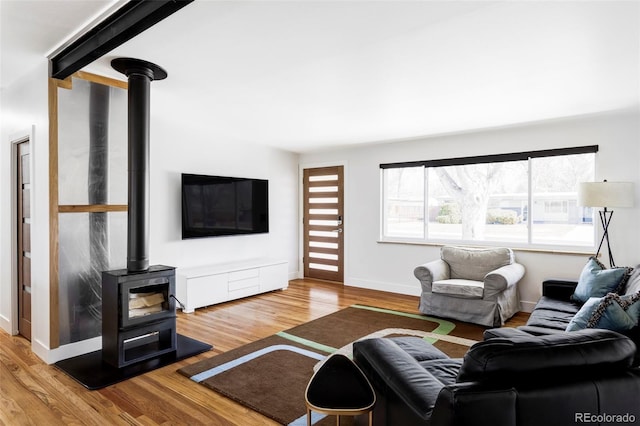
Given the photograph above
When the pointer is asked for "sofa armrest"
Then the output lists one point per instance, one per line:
(432, 271)
(560, 289)
(399, 372)
(495, 282)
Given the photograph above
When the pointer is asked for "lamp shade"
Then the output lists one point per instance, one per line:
(605, 194)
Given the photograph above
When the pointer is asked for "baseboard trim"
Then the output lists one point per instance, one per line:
(5, 324)
(51, 356)
(527, 306)
(294, 275)
(409, 290)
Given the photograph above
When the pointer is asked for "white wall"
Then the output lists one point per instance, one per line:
(387, 266)
(25, 111)
(177, 149)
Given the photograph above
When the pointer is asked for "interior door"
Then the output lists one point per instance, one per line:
(323, 223)
(24, 239)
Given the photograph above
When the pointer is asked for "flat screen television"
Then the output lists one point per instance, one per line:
(220, 205)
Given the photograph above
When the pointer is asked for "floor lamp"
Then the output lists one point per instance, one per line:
(606, 194)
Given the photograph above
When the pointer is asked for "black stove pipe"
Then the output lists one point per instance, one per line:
(140, 74)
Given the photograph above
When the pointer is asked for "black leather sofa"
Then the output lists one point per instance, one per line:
(554, 311)
(511, 378)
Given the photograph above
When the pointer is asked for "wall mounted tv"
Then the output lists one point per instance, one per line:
(220, 205)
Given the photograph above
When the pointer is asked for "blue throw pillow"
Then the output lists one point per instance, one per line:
(596, 281)
(612, 312)
(580, 320)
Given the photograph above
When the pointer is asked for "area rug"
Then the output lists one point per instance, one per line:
(270, 375)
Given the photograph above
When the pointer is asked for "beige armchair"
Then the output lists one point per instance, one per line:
(477, 285)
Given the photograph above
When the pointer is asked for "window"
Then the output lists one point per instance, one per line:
(404, 202)
(524, 199)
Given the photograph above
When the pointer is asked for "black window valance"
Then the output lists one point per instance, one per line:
(494, 158)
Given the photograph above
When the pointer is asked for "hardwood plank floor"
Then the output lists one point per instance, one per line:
(33, 393)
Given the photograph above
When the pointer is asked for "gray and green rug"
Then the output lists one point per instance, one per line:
(270, 375)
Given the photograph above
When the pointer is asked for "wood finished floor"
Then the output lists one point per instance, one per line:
(33, 393)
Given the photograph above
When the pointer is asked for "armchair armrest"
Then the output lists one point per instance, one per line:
(559, 289)
(495, 282)
(432, 271)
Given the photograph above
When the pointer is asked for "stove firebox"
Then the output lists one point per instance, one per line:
(138, 316)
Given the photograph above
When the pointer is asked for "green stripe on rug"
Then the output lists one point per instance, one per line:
(307, 342)
(444, 326)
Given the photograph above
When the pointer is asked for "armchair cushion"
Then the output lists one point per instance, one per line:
(459, 287)
(475, 263)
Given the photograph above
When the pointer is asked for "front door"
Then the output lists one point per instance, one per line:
(323, 223)
(23, 242)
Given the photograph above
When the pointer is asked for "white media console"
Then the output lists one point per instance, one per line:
(216, 283)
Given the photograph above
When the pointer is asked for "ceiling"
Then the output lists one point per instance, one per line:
(308, 75)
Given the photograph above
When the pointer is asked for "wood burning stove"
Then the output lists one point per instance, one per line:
(138, 303)
(138, 312)
(138, 315)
